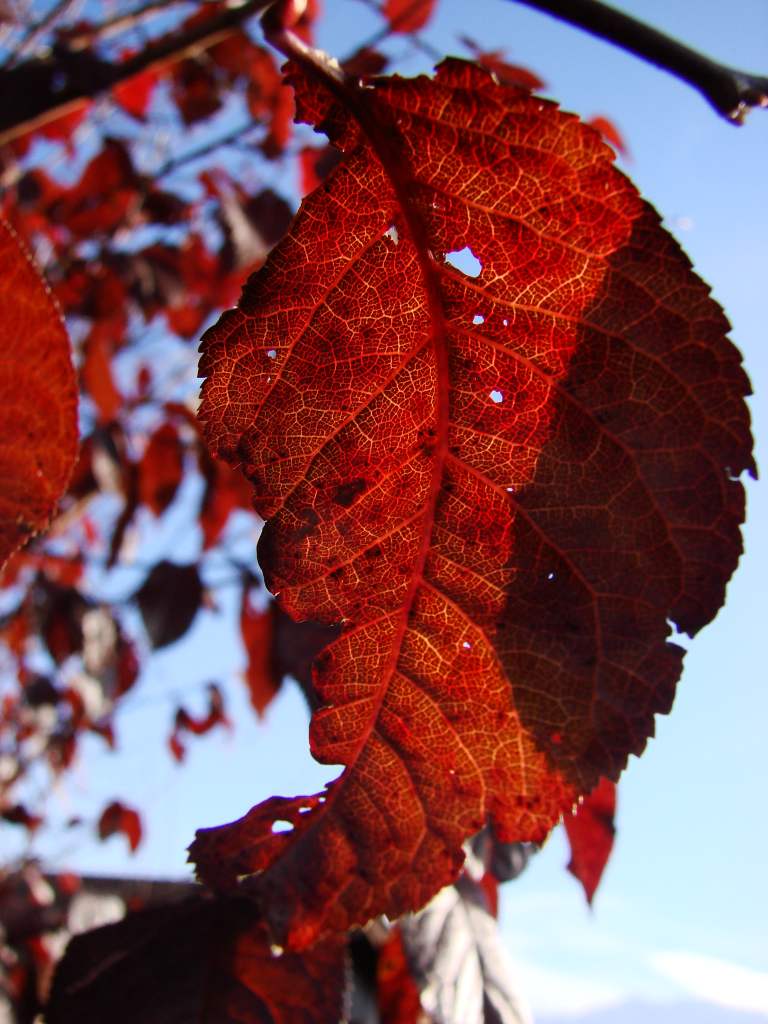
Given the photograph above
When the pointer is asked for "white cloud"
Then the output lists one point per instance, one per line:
(555, 992)
(714, 980)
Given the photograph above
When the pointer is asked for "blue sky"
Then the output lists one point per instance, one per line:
(683, 906)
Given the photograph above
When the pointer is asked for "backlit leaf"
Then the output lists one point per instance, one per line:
(494, 426)
(38, 399)
(590, 833)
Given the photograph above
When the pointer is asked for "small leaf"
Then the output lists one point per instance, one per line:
(168, 601)
(591, 832)
(610, 133)
(161, 469)
(38, 399)
(407, 16)
(118, 818)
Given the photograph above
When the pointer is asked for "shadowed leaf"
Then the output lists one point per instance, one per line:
(168, 601)
(214, 963)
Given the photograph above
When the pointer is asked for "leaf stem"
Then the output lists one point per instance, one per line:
(730, 91)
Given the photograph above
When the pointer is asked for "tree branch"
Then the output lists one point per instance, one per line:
(38, 91)
(730, 91)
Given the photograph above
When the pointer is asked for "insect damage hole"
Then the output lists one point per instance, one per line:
(478, 318)
(271, 353)
(282, 826)
(496, 396)
(465, 261)
(392, 233)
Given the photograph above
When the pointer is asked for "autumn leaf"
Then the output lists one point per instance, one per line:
(611, 134)
(591, 831)
(216, 964)
(161, 469)
(494, 426)
(118, 818)
(38, 399)
(407, 16)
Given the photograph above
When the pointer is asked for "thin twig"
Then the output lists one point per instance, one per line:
(172, 165)
(730, 91)
(36, 31)
(40, 91)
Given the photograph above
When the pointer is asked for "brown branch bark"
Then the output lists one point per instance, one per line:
(730, 91)
(38, 91)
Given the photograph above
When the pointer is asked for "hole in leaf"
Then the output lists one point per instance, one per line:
(276, 950)
(505, 322)
(466, 645)
(496, 396)
(510, 490)
(392, 233)
(282, 826)
(478, 319)
(272, 353)
(465, 261)
(550, 575)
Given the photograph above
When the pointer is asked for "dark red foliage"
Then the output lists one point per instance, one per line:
(504, 489)
(184, 722)
(117, 818)
(168, 600)
(216, 963)
(591, 832)
(277, 646)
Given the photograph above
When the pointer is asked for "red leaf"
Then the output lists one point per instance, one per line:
(610, 133)
(117, 818)
(590, 832)
(38, 399)
(398, 994)
(225, 491)
(161, 469)
(504, 477)
(408, 15)
(315, 166)
(184, 722)
(96, 374)
(507, 74)
(135, 94)
(19, 815)
(276, 646)
(216, 964)
(100, 201)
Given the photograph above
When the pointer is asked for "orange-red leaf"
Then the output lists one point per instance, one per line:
(610, 133)
(494, 426)
(408, 15)
(38, 399)
(590, 833)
